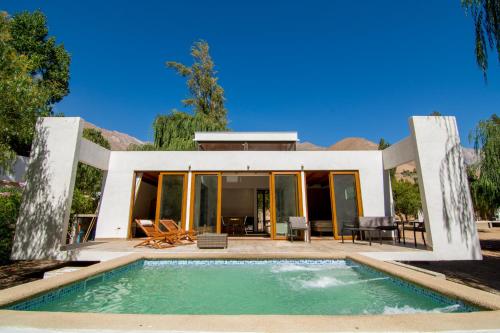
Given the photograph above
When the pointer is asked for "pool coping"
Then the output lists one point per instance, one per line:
(428, 321)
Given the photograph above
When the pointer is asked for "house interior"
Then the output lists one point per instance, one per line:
(239, 203)
(245, 207)
(319, 207)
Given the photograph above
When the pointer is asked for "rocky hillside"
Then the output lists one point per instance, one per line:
(117, 140)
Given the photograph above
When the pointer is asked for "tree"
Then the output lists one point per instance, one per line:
(486, 16)
(485, 175)
(49, 62)
(144, 147)
(435, 114)
(406, 197)
(34, 74)
(382, 144)
(88, 182)
(207, 96)
(175, 131)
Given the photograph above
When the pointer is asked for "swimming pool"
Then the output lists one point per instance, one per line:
(231, 287)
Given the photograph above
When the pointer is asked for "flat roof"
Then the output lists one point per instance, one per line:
(246, 136)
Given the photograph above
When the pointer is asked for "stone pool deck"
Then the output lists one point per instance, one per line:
(110, 249)
(28, 321)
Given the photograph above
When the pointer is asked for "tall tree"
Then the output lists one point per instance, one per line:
(175, 131)
(207, 96)
(34, 74)
(485, 175)
(486, 15)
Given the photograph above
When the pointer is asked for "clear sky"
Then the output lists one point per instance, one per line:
(328, 69)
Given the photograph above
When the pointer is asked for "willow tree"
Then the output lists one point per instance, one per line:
(485, 175)
(175, 131)
(486, 15)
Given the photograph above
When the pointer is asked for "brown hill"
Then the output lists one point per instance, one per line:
(308, 146)
(354, 144)
(117, 140)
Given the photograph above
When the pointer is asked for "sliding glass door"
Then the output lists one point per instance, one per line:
(206, 202)
(286, 201)
(346, 199)
(171, 198)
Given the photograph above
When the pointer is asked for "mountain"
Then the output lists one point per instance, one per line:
(344, 144)
(354, 144)
(306, 146)
(117, 140)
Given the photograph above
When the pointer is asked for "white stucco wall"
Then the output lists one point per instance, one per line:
(17, 172)
(434, 144)
(114, 215)
(44, 214)
(444, 189)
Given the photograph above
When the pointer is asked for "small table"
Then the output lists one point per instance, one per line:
(212, 241)
(363, 229)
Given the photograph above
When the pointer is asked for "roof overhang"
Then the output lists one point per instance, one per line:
(246, 137)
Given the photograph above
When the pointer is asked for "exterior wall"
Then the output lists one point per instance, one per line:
(444, 189)
(17, 172)
(115, 207)
(44, 214)
(434, 144)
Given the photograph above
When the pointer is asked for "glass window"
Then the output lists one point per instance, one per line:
(346, 201)
(205, 203)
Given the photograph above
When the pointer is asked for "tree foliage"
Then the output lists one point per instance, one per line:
(88, 179)
(144, 147)
(484, 177)
(34, 74)
(175, 131)
(486, 15)
(10, 202)
(406, 197)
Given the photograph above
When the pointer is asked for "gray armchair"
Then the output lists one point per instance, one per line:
(298, 223)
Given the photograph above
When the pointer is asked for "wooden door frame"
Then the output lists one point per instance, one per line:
(184, 195)
(359, 200)
(219, 197)
(272, 195)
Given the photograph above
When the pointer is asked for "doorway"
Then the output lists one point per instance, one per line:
(319, 204)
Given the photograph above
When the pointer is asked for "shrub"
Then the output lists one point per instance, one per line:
(10, 202)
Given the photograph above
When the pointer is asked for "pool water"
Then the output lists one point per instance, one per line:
(298, 287)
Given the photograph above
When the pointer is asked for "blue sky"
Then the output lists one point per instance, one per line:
(328, 69)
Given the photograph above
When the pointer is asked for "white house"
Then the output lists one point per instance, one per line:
(249, 184)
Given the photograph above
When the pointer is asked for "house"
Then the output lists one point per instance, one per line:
(246, 183)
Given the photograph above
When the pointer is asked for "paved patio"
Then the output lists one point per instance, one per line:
(105, 250)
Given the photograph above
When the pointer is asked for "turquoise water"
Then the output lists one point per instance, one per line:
(281, 287)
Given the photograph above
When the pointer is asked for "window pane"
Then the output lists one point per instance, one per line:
(346, 203)
(285, 187)
(171, 198)
(205, 203)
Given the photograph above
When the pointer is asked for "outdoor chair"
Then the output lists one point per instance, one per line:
(155, 238)
(296, 224)
(359, 227)
(383, 223)
(173, 227)
(419, 226)
(415, 226)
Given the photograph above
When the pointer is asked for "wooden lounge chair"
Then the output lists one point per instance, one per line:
(155, 238)
(171, 226)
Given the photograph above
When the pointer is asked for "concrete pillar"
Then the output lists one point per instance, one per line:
(444, 190)
(188, 200)
(44, 214)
